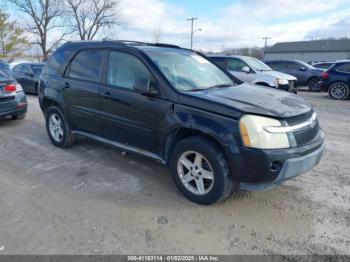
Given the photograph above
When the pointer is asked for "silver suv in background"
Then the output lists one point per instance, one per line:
(251, 70)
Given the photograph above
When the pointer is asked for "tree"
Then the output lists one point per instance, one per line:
(90, 16)
(12, 40)
(45, 16)
(157, 34)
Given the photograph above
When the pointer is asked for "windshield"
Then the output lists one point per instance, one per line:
(256, 64)
(37, 69)
(306, 65)
(187, 71)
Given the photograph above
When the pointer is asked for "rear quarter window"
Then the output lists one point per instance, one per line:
(56, 61)
(345, 68)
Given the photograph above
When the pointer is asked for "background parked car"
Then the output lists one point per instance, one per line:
(17, 61)
(323, 65)
(336, 80)
(4, 66)
(13, 101)
(251, 70)
(306, 74)
(27, 74)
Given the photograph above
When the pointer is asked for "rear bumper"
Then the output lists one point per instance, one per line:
(15, 107)
(258, 170)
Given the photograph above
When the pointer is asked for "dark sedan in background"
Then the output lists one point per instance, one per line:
(306, 74)
(4, 66)
(27, 74)
(336, 80)
(13, 101)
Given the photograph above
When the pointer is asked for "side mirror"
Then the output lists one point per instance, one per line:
(246, 69)
(302, 68)
(146, 87)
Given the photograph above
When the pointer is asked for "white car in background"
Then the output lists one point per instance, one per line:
(251, 70)
(20, 61)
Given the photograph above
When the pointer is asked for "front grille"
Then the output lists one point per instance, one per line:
(307, 134)
(6, 99)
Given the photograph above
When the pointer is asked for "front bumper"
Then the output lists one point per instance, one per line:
(258, 170)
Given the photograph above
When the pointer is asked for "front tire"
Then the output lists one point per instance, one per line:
(339, 91)
(313, 84)
(57, 128)
(200, 171)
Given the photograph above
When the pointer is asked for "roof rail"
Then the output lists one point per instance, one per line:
(131, 43)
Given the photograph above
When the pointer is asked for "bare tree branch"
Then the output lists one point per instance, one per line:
(44, 16)
(90, 16)
(157, 34)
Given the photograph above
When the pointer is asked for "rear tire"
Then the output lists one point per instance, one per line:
(339, 91)
(205, 181)
(58, 128)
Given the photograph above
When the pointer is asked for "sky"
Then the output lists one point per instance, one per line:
(232, 23)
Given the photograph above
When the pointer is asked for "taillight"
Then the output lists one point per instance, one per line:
(10, 88)
(325, 75)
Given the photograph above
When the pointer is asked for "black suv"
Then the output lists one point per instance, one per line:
(175, 106)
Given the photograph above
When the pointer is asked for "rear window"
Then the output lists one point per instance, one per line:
(86, 65)
(55, 62)
(3, 74)
(344, 68)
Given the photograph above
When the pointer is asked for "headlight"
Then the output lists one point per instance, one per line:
(254, 134)
(282, 82)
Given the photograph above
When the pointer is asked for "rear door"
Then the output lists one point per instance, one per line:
(82, 84)
(28, 80)
(127, 116)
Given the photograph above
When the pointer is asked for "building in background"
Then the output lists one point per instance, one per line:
(310, 51)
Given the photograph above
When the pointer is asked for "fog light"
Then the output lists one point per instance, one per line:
(275, 166)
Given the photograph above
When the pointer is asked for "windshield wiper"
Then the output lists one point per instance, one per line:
(219, 86)
(210, 87)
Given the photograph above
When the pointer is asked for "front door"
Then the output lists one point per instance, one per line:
(235, 66)
(127, 116)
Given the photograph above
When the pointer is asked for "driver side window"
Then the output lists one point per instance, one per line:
(124, 70)
(235, 65)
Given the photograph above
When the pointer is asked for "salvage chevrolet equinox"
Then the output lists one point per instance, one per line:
(214, 132)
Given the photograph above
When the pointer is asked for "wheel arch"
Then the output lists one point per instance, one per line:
(179, 134)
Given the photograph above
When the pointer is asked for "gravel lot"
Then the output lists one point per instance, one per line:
(92, 199)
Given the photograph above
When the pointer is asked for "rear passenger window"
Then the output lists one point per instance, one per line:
(125, 70)
(55, 62)
(344, 68)
(86, 65)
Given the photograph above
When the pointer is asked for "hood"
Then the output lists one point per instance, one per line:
(280, 75)
(253, 99)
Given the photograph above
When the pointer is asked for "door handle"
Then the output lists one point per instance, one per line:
(107, 95)
(66, 85)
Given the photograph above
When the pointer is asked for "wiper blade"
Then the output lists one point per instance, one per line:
(219, 86)
(210, 87)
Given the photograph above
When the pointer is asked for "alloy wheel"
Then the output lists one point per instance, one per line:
(195, 173)
(338, 91)
(56, 127)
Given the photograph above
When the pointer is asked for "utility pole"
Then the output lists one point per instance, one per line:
(266, 39)
(192, 30)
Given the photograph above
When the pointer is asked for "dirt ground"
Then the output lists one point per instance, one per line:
(92, 199)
